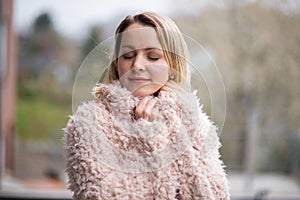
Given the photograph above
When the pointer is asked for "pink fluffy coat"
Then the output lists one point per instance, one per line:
(110, 155)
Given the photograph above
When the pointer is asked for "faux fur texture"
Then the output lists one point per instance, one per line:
(110, 155)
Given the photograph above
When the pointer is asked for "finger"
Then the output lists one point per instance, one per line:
(139, 110)
(175, 86)
(166, 90)
(148, 111)
(170, 85)
(172, 89)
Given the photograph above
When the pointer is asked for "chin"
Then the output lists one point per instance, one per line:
(147, 89)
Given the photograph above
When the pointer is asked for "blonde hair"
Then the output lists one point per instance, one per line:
(170, 37)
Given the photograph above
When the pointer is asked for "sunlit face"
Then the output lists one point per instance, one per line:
(142, 67)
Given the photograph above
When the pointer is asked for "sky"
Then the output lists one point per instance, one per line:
(72, 17)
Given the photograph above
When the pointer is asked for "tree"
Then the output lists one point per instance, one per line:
(256, 47)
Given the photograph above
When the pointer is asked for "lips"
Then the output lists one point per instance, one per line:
(139, 79)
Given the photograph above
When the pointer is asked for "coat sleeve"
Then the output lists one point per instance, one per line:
(79, 162)
(210, 158)
(74, 159)
(216, 174)
(206, 143)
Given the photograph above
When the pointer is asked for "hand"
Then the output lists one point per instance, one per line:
(147, 109)
(171, 89)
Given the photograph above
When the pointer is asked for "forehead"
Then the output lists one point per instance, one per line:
(140, 37)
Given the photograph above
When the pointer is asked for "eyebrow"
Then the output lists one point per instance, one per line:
(133, 48)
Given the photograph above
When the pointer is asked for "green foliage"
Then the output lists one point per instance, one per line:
(38, 119)
(42, 22)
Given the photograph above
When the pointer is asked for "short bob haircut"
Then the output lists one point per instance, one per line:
(170, 37)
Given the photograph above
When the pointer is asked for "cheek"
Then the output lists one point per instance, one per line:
(123, 68)
(160, 74)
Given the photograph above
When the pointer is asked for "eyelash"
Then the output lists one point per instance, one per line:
(127, 57)
(154, 58)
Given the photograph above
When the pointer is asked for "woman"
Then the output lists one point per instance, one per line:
(144, 136)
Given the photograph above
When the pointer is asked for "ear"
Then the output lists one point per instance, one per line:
(171, 74)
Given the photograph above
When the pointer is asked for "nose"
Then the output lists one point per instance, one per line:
(138, 63)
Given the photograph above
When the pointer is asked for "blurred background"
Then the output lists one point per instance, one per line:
(255, 44)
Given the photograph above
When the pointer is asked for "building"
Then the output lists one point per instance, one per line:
(7, 84)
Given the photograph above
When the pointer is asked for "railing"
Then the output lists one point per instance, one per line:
(66, 196)
(36, 195)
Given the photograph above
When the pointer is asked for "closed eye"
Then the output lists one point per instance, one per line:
(129, 55)
(153, 56)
